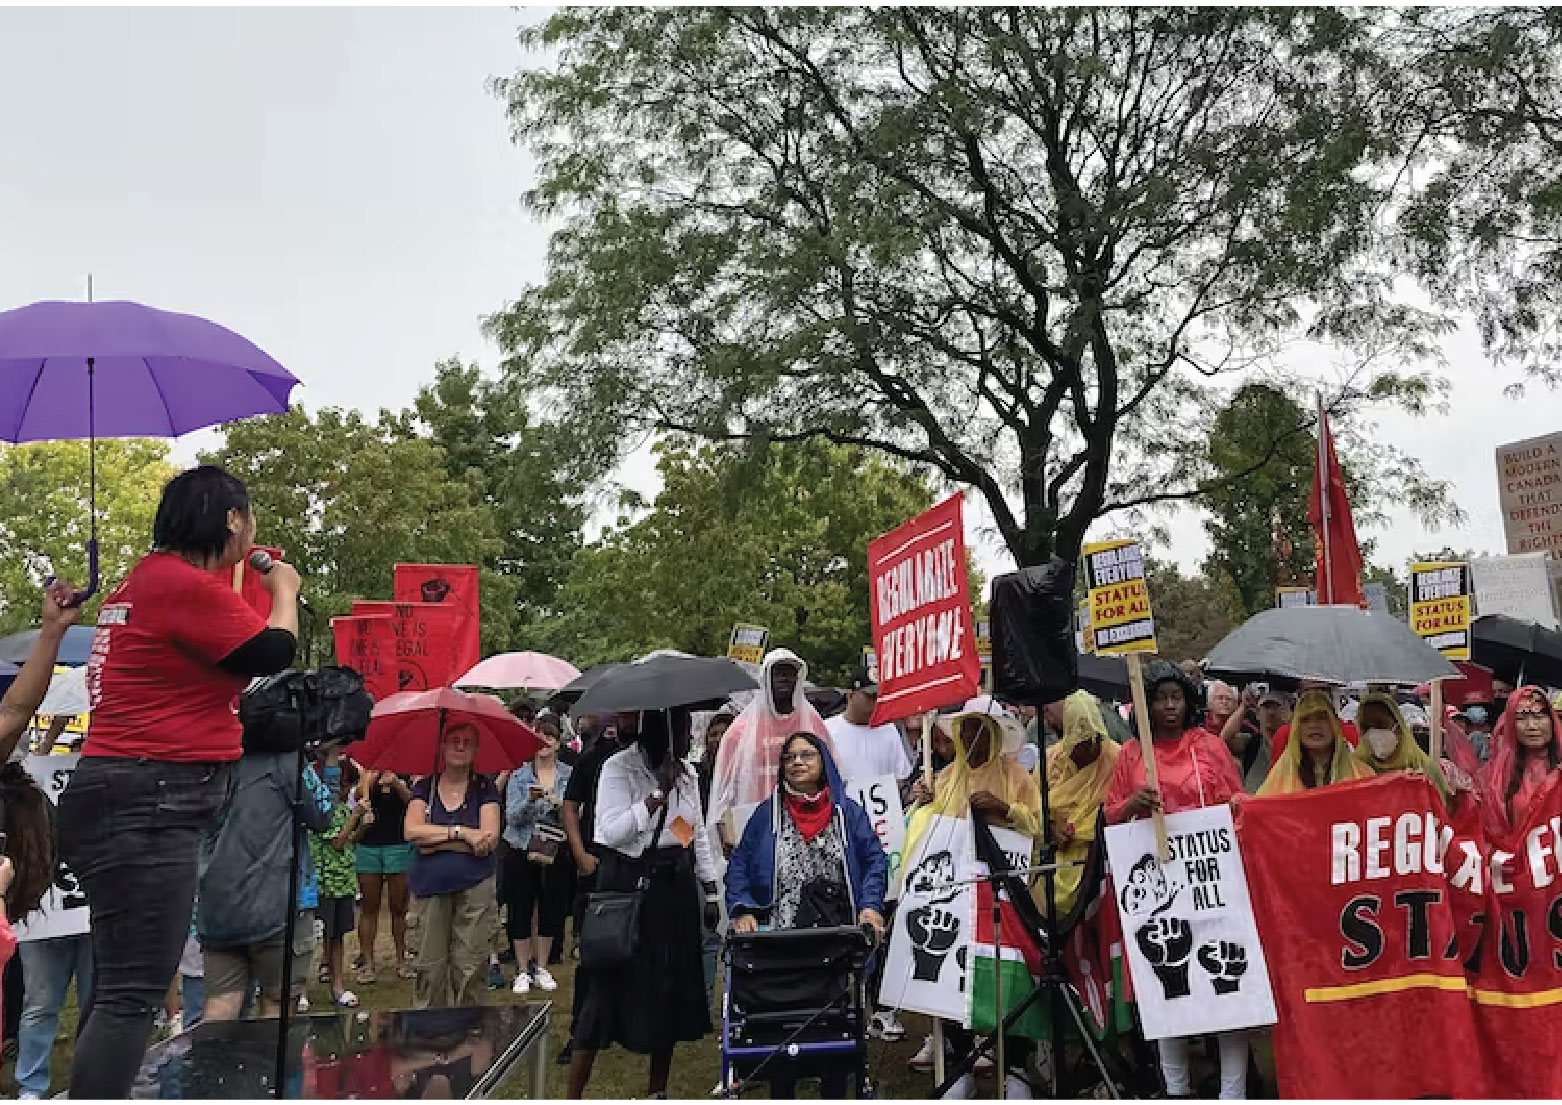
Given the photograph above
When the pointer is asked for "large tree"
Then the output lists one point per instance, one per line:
(521, 468)
(44, 514)
(1017, 245)
(771, 535)
(1256, 520)
(348, 498)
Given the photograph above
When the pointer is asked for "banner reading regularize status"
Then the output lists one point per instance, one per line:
(920, 604)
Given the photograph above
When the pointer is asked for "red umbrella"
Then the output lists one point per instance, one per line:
(406, 729)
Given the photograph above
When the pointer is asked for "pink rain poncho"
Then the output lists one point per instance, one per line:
(746, 764)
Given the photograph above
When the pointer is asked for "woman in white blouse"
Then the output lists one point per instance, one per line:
(650, 823)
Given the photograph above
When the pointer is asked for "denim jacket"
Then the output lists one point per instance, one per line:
(521, 810)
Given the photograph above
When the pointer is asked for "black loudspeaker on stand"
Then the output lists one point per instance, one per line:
(1035, 662)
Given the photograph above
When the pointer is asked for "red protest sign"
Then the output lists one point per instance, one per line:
(453, 585)
(1357, 893)
(920, 604)
(247, 582)
(424, 642)
(367, 644)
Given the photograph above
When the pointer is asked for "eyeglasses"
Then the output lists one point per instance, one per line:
(799, 757)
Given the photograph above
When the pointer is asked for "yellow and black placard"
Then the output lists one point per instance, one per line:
(1120, 617)
(748, 643)
(1440, 606)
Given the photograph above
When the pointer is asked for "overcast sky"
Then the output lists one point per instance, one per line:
(339, 186)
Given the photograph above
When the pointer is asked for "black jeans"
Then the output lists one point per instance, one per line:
(131, 832)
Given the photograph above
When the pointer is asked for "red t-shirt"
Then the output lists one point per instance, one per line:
(1348, 730)
(152, 680)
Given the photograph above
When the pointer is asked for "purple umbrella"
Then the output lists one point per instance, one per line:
(88, 370)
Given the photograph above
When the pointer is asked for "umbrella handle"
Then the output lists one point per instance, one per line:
(92, 576)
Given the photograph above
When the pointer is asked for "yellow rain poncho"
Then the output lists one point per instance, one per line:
(1075, 793)
(1285, 777)
(1000, 774)
(1407, 753)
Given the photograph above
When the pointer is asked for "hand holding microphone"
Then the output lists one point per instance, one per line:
(278, 577)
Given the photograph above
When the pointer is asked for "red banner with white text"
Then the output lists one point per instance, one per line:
(919, 601)
(1398, 927)
(455, 586)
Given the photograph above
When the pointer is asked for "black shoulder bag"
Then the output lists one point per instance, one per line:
(610, 930)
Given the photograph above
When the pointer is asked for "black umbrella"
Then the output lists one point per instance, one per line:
(1517, 651)
(1105, 677)
(1329, 644)
(578, 686)
(663, 683)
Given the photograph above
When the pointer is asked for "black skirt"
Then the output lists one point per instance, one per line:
(659, 999)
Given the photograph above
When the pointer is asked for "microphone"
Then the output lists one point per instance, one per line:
(260, 560)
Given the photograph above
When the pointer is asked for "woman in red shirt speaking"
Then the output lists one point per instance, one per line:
(175, 645)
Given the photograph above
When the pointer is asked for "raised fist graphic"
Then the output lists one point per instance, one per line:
(933, 931)
(1167, 942)
(1226, 963)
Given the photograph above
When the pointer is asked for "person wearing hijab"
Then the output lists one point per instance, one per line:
(1388, 743)
(744, 771)
(1194, 769)
(1079, 770)
(1319, 756)
(1526, 751)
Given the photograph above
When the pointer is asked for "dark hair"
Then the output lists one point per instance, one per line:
(193, 514)
(29, 839)
(1160, 671)
(818, 744)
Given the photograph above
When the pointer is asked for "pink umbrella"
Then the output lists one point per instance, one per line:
(534, 671)
(405, 732)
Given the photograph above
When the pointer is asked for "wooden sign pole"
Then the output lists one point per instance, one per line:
(1147, 748)
(927, 750)
(1435, 738)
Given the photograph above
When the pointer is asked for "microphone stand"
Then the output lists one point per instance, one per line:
(290, 929)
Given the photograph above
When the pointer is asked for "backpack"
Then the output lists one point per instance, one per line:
(284, 712)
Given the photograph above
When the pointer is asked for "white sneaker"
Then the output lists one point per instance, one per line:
(544, 980)
(303, 1004)
(886, 1025)
(923, 1060)
(522, 983)
(963, 1090)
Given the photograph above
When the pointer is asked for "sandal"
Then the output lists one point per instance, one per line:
(347, 999)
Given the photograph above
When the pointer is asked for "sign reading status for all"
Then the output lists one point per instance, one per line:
(748, 643)
(1120, 617)
(1440, 607)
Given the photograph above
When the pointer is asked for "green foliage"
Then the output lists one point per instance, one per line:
(772, 535)
(519, 468)
(44, 517)
(348, 499)
(1017, 245)
(1192, 613)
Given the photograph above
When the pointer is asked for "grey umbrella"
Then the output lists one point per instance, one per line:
(1329, 644)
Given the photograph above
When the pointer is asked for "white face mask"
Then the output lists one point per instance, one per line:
(1382, 742)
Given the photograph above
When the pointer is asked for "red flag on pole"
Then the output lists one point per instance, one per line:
(1334, 530)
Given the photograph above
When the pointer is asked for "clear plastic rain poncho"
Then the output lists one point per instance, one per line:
(746, 764)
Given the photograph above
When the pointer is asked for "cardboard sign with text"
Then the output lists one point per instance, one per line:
(919, 602)
(747, 643)
(1193, 948)
(64, 910)
(1440, 606)
(455, 586)
(1120, 618)
(879, 798)
(1529, 492)
(1518, 586)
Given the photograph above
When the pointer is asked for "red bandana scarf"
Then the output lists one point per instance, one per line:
(811, 813)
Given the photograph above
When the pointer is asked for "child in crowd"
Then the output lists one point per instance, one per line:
(335, 861)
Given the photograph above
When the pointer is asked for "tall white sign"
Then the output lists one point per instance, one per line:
(880, 799)
(1518, 586)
